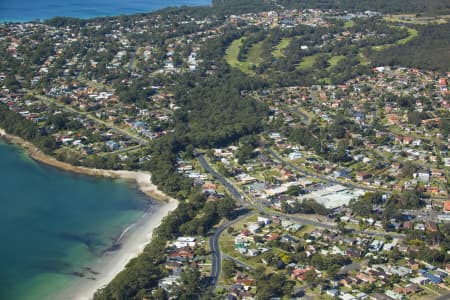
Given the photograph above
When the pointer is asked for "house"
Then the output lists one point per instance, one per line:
(420, 280)
(433, 278)
(408, 225)
(423, 176)
(366, 278)
(112, 145)
(431, 226)
(295, 155)
(378, 296)
(419, 226)
(254, 228)
(446, 206)
(332, 292)
(244, 280)
(411, 288)
(273, 237)
(264, 221)
(181, 255)
(394, 295)
(168, 282)
(299, 273)
(355, 253)
(414, 265)
(253, 252)
(361, 176)
(346, 296)
(376, 246)
(185, 241)
(400, 271)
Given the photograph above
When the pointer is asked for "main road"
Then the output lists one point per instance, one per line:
(313, 221)
(231, 189)
(239, 196)
(216, 266)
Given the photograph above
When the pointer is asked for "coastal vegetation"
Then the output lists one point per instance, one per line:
(14, 124)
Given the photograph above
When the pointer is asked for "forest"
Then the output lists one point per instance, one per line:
(430, 50)
(15, 124)
(425, 7)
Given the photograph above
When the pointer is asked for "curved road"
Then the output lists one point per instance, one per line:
(216, 267)
(231, 189)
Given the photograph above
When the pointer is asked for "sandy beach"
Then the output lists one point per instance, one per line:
(111, 263)
(132, 240)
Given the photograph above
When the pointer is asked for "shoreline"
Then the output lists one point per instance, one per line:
(141, 178)
(131, 240)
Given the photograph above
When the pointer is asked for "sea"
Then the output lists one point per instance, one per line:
(55, 224)
(30, 10)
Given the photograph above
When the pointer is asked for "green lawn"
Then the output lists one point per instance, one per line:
(364, 61)
(335, 60)
(278, 49)
(254, 57)
(349, 24)
(307, 62)
(255, 54)
(231, 57)
(412, 34)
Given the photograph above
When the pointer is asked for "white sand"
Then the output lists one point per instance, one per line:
(111, 263)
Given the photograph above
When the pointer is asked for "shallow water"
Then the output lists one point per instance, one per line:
(54, 224)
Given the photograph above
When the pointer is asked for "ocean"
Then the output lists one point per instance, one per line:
(54, 224)
(29, 10)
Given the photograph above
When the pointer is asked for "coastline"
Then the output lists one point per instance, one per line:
(142, 179)
(132, 239)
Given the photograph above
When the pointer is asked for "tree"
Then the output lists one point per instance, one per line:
(341, 227)
(228, 268)
(310, 276)
(190, 287)
(294, 190)
(225, 207)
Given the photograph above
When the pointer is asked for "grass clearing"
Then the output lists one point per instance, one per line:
(255, 54)
(307, 62)
(349, 24)
(231, 57)
(278, 49)
(412, 34)
(335, 60)
(363, 60)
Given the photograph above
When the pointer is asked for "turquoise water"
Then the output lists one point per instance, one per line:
(28, 10)
(53, 224)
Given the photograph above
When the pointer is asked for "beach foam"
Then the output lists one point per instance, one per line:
(111, 263)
